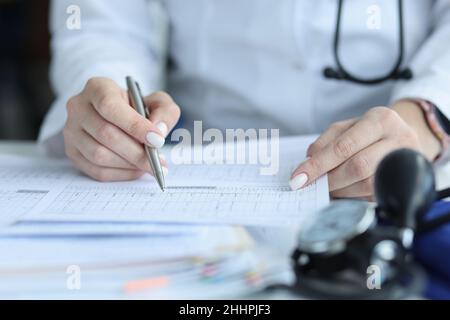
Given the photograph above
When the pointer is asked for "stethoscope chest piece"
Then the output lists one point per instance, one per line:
(343, 253)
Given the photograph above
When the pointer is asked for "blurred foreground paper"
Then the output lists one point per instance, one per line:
(211, 262)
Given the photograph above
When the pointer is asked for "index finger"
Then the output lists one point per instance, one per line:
(111, 105)
(331, 133)
(362, 134)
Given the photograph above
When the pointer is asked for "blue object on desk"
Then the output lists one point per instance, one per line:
(432, 251)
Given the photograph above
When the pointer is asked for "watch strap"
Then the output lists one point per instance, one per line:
(439, 125)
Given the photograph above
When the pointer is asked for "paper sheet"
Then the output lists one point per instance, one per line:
(26, 182)
(34, 255)
(98, 229)
(188, 279)
(219, 194)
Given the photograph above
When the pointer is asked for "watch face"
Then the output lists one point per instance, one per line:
(330, 228)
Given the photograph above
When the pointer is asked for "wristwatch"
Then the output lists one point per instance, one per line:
(439, 124)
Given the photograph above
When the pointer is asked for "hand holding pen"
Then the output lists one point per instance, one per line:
(103, 134)
(137, 101)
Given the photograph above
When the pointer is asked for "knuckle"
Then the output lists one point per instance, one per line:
(161, 95)
(316, 165)
(92, 81)
(389, 116)
(344, 148)
(105, 133)
(315, 146)
(71, 105)
(134, 126)
(95, 83)
(360, 167)
(100, 156)
(378, 111)
(385, 115)
(105, 104)
(98, 85)
(338, 125)
(101, 175)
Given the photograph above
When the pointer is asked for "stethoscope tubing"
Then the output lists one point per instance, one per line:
(342, 74)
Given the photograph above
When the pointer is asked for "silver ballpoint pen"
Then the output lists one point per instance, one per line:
(152, 153)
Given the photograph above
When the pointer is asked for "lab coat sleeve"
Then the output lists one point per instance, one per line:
(116, 38)
(431, 64)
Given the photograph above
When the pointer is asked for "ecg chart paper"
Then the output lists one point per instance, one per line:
(24, 183)
(195, 193)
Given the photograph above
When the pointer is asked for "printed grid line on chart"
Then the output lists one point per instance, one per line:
(24, 185)
(18, 174)
(18, 202)
(207, 204)
(248, 174)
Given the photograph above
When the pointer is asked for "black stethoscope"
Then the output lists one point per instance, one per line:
(340, 73)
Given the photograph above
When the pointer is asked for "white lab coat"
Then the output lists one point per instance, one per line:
(251, 63)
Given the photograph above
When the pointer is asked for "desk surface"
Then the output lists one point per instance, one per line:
(26, 148)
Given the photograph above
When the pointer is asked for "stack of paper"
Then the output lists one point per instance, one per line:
(65, 235)
(135, 267)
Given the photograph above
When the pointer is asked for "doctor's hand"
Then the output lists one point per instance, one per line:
(103, 134)
(349, 151)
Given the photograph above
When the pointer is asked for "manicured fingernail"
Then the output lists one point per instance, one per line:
(155, 140)
(163, 128)
(165, 171)
(162, 157)
(298, 181)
